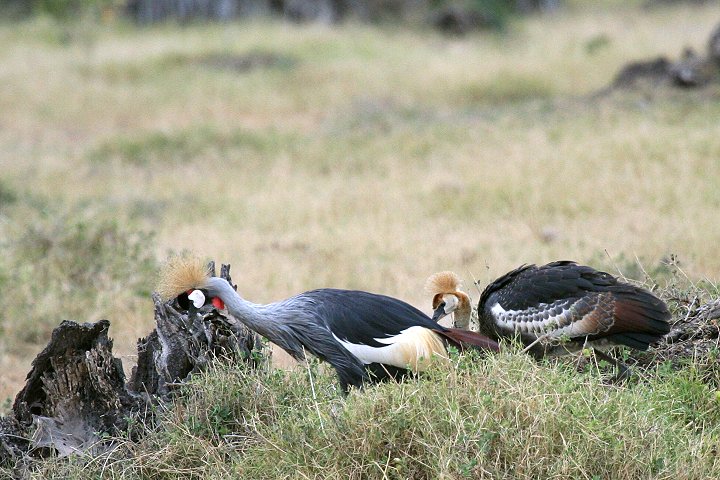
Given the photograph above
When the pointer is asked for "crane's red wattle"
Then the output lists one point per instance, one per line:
(218, 303)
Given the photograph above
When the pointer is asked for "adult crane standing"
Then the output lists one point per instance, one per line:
(558, 308)
(364, 336)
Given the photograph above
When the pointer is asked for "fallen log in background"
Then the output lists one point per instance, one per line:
(76, 394)
(691, 70)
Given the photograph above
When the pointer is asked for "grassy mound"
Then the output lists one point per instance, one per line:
(504, 416)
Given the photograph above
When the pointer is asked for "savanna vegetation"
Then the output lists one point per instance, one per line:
(361, 156)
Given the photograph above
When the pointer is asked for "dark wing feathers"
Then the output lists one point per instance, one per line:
(598, 304)
(641, 312)
(529, 285)
(361, 317)
(462, 338)
(350, 370)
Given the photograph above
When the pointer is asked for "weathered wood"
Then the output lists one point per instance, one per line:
(75, 354)
(14, 442)
(76, 394)
(691, 70)
(75, 390)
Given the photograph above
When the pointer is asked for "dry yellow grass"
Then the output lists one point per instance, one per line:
(377, 156)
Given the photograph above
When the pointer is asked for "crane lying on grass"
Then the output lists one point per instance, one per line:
(364, 336)
(558, 308)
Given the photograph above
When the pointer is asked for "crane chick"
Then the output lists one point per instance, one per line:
(445, 288)
(364, 336)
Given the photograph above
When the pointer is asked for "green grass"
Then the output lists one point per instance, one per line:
(504, 416)
(76, 262)
(158, 148)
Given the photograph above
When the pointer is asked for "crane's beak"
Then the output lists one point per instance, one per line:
(439, 313)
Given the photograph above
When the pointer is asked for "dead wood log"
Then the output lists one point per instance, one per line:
(13, 441)
(75, 391)
(76, 396)
(691, 70)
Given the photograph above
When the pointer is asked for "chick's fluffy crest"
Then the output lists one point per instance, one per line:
(442, 282)
(180, 273)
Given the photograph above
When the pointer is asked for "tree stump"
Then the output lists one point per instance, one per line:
(75, 389)
(76, 396)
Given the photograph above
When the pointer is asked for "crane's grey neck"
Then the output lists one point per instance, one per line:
(256, 317)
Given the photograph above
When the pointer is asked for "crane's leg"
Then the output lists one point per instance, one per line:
(623, 371)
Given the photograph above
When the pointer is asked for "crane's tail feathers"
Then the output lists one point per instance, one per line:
(641, 319)
(465, 338)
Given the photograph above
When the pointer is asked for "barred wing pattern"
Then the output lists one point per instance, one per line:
(563, 300)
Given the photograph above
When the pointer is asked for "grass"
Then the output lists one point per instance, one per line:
(76, 262)
(368, 157)
(160, 149)
(504, 416)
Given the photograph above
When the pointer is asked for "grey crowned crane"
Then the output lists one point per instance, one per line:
(558, 308)
(364, 336)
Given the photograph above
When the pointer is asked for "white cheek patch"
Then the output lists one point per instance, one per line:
(197, 297)
(451, 303)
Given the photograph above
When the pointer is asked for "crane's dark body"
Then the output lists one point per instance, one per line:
(362, 317)
(568, 306)
(346, 328)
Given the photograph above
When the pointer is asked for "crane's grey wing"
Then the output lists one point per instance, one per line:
(379, 329)
(299, 334)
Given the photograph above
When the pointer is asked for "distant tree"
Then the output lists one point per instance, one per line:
(60, 9)
(15, 8)
(459, 15)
